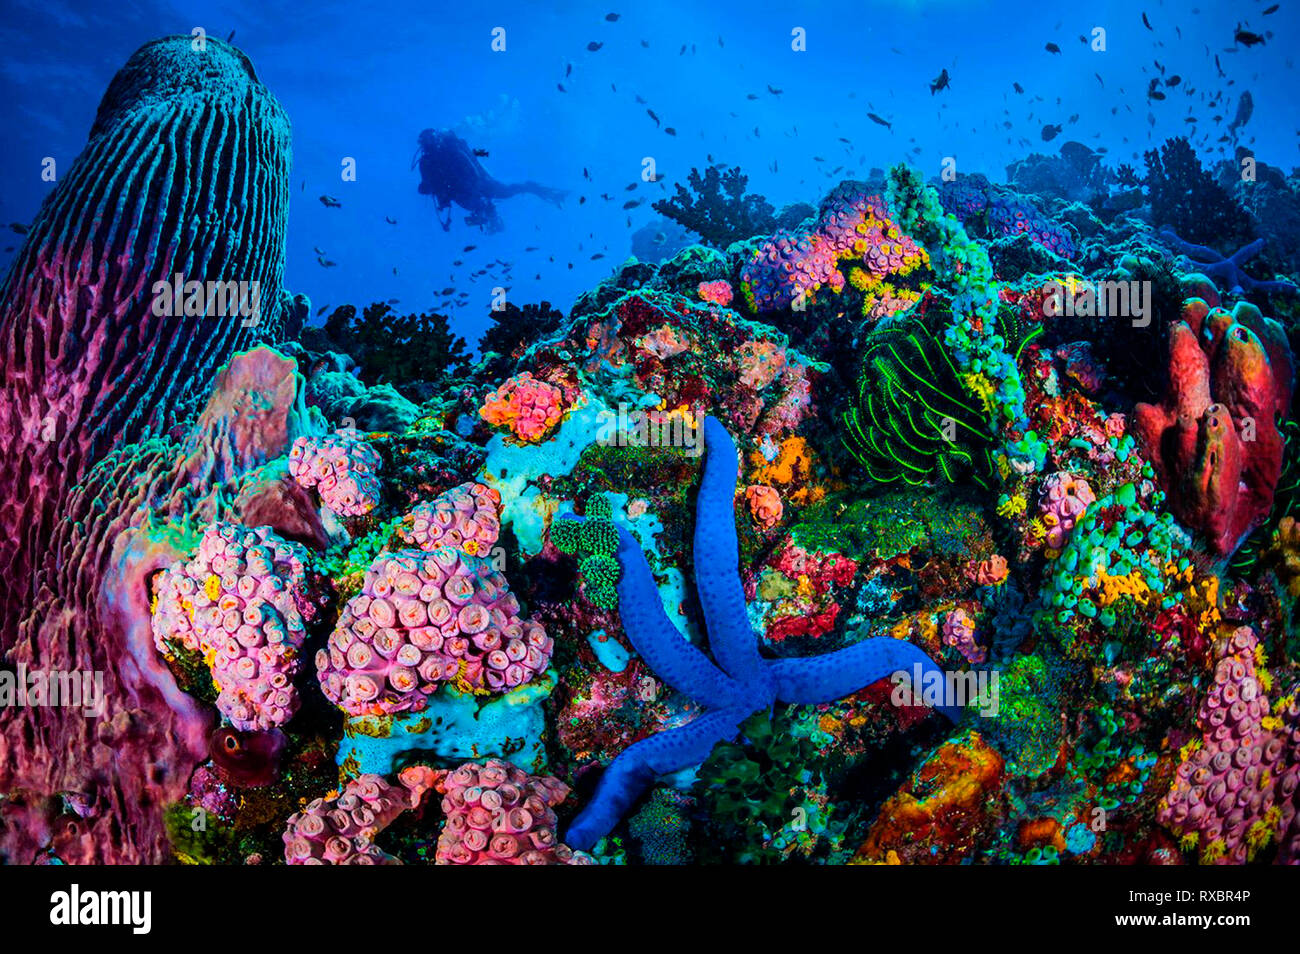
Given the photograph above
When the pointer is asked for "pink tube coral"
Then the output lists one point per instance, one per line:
(764, 505)
(527, 407)
(497, 814)
(959, 633)
(342, 467)
(465, 517)
(422, 619)
(1065, 498)
(341, 829)
(241, 603)
(1235, 793)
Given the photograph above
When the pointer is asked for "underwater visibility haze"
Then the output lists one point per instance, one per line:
(829, 433)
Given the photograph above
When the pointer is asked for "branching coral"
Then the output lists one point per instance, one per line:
(716, 207)
(415, 353)
(1184, 197)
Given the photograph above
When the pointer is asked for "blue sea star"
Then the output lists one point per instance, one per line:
(1227, 271)
(738, 682)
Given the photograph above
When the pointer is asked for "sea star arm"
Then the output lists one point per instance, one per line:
(717, 561)
(639, 765)
(668, 654)
(815, 679)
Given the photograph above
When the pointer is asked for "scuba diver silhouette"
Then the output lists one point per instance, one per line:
(450, 172)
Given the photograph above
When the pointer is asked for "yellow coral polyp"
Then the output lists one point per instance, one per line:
(212, 587)
(1013, 506)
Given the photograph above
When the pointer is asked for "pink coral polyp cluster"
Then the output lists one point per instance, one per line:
(342, 467)
(465, 518)
(717, 293)
(959, 633)
(241, 603)
(341, 829)
(1065, 498)
(423, 619)
(527, 407)
(1236, 792)
(764, 505)
(852, 227)
(497, 814)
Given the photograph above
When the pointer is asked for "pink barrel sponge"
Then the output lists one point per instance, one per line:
(497, 814)
(423, 619)
(341, 829)
(717, 293)
(466, 517)
(1236, 792)
(527, 407)
(342, 467)
(1064, 499)
(241, 602)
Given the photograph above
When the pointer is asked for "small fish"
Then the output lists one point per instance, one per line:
(611, 17)
(390, 220)
(568, 70)
(1271, 10)
(481, 153)
(393, 301)
(560, 87)
(646, 44)
(670, 130)
(447, 291)
(751, 96)
(941, 81)
(330, 202)
(593, 46)
(324, 262)
(598, 256)
(318, 251)
(651, 114)
(530, 248)
(630, 188)
(631, 204)
(459, 262)
(1052, 48)
(1050, 132)
(321, 310)
(880, 121)
(774, 91)
(394, 269)
(469, 248)
(232, 32)
(756, 136)
(18, 228)
(1017, 87)
(1246, 37)
(1147, 23)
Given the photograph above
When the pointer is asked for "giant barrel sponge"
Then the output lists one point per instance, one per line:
(186, 174)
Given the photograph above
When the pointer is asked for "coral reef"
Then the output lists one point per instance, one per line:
(1015, 452)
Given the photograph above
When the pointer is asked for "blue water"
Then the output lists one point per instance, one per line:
(362, 84)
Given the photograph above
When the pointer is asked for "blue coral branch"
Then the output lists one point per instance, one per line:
(742, 683)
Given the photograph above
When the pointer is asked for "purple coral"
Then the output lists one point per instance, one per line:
(959, 633)
(241, 602)
(853, 226)
(342, 468)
